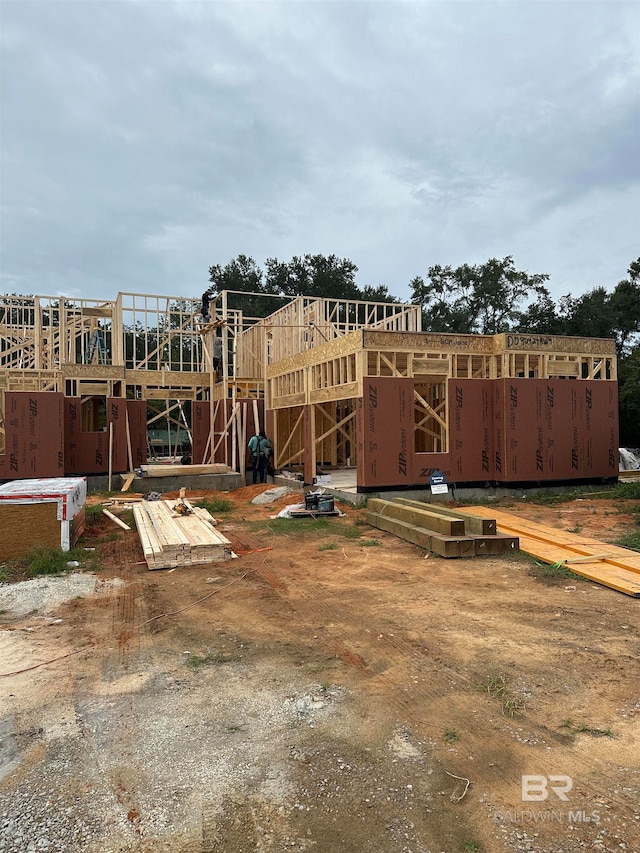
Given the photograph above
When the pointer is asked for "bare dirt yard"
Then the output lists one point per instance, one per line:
(332, 689)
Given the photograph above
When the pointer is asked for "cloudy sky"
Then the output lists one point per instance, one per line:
(144, 141)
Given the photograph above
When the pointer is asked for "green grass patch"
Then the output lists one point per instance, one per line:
(450, 736)
(53, 561)
(580, 728)
(328, 546)
(630, 540)
(496, 684)
(551, 498)
(627, 490)
(552, 570)
(195, 662)
(305, 526)
(216, 505)
(370, 543)
(112, 536)
(498, 687)
(93, 514)
(128, 517)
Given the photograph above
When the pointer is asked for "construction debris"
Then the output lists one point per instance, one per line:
(116, 520)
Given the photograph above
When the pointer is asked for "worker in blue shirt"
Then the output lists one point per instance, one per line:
(261, 452)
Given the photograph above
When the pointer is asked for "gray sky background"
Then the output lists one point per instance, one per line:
(144, 141)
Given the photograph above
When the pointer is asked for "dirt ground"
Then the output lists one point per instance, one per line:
(341, 690)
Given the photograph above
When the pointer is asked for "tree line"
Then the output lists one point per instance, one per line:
(483, 298)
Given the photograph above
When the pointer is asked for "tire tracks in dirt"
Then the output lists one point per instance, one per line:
(411, 676)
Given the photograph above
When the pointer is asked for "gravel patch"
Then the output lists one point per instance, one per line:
(44, 593)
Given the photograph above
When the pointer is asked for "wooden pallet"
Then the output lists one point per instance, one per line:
(170, 540)
(449, 533)
(609, 565)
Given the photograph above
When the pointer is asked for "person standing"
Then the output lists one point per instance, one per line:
(217, 356)
(261, 451)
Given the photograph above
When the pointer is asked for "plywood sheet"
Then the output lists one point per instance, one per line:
(384, 417)
(610, 565)
(34, 434)
(137, 413)
(200, 423)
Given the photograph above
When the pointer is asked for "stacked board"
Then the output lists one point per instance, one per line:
(183, 470)
(447, 532)
(170, 540)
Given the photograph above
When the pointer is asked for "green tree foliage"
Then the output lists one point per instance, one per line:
(314, 275)
(242, 275)
(590, 315)
(629, 399)
(542, 317)
(326, 277)
(595, 314)
(484, 298)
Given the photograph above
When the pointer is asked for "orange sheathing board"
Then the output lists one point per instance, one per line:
(499, 427)
(556, 429)
(137, 412)
(424, 464)
(471, 437)
(512, 430)
(538, 432)
(597, 409)
(200, 420)
(33, 435)
(471, 458)
(520, 431)
(88, 452)
(385, 432)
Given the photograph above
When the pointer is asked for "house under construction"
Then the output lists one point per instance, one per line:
(336, 384)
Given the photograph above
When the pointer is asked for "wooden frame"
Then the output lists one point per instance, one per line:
(307, 362)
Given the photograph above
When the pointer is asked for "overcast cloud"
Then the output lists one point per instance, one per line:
(144, 141)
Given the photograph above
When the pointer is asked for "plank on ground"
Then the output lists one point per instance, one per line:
(472, 524)
(445, 546)
(575, 544)
(420, 516)
(183, 470)
(620, 572)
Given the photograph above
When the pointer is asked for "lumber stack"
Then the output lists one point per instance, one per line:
(170, 540)
(447, 532)
(183, 470)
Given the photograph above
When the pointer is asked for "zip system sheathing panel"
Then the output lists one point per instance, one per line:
(170, 540)
(609, 565)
